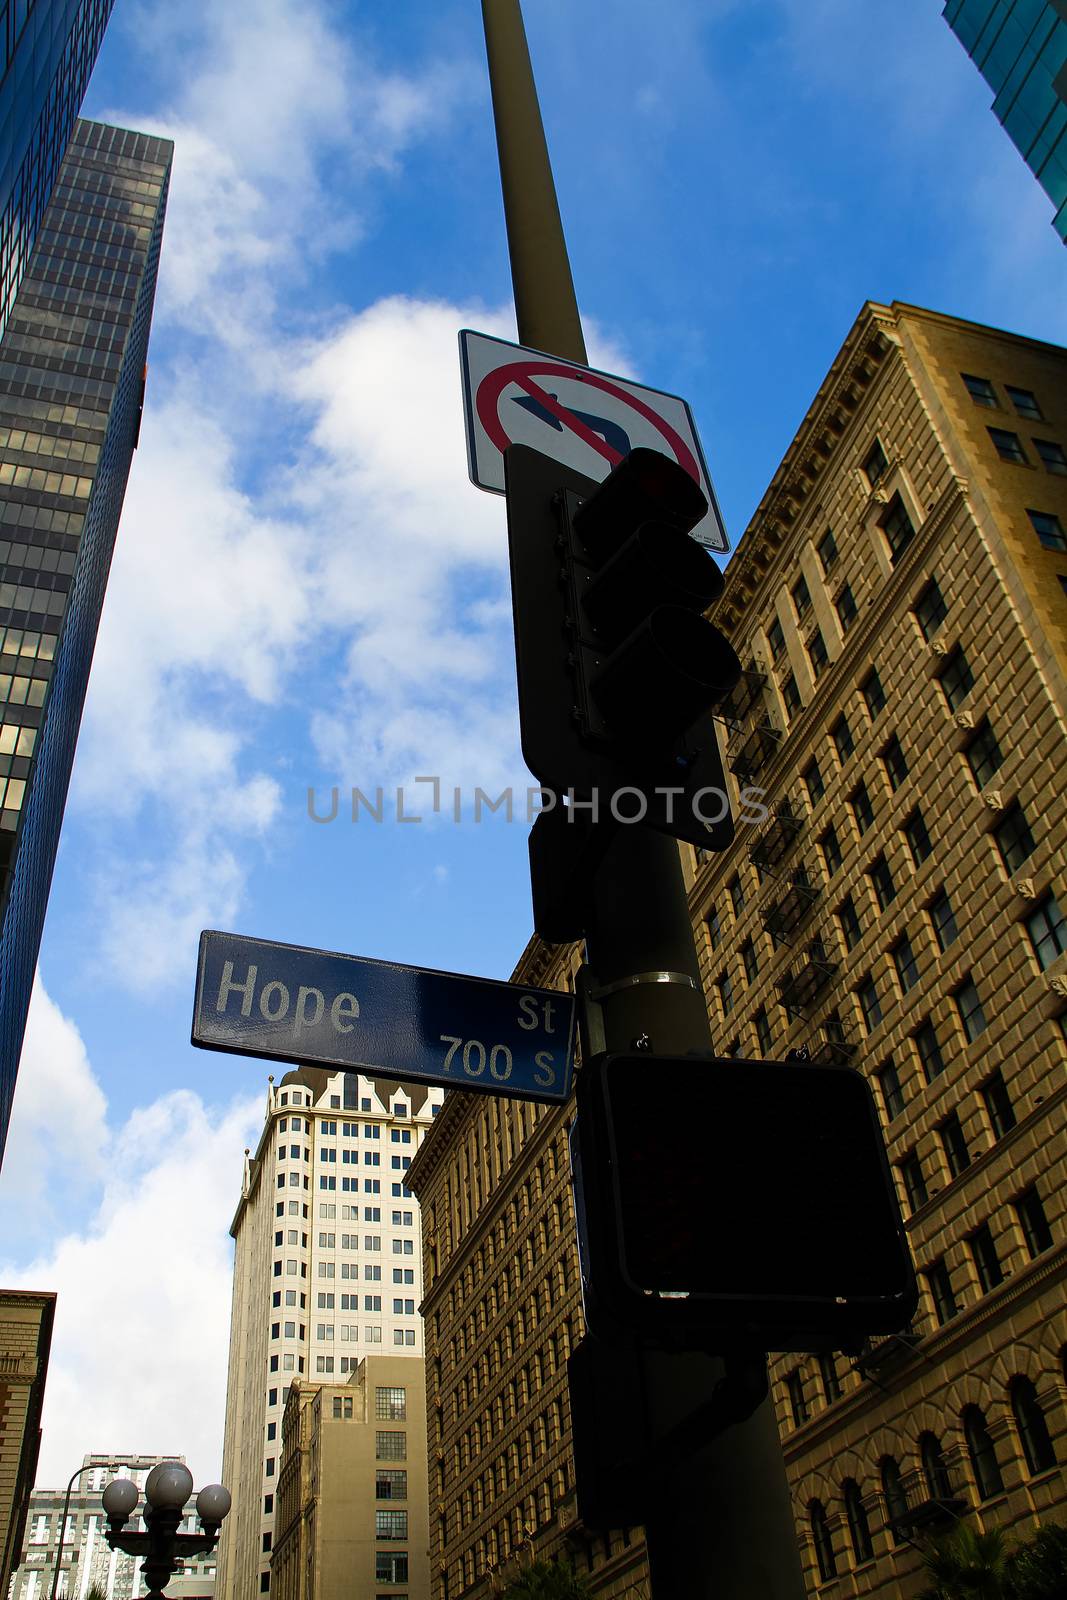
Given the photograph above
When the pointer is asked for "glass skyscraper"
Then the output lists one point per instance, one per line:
(48, 49)
(1020, 48)
(72, 366)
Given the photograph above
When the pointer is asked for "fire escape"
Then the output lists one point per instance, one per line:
(805, 981)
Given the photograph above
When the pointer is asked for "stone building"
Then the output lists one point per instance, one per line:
(26, 1322)
(899, 602)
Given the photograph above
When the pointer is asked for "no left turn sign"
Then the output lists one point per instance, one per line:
(586, 419)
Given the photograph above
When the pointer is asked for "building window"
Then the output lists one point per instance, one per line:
(1052, 456)
(391, 1566)
(736, 892)
(905, 963)
(986, 1261)
(870, 1004)
(956, 679)
(895, 762)
(980, 1448)
(943, 920)
(954, 1144)
(859, 1531)
(820, 1538)
(980, 390)
(898, 528)
(1033, 1221)
(846, 608)
(862, 810)
(1033, 1429)
(912, 1181)
(264, 1583)
(917, 837)
(801, 597)
(850, 922)
(831, 850)
(389, 1446)
(844, 743)
(929, 1047)
(1047, 928)
(817, 651)
(875, 463)
(896, 1497)
(750, 960)
(882, 882)
(983, 754)
(826, 549)
(798, 1405)
(1049, 529)
(390, 1484)
(726, 993)
(930, 610)
(1014, 839)
(391, 1525)
(941, 1292)
(776, 640)
(763, 1031)
(873, 693)
(997, 1102)
(1008, 445)
(791, 696)
(969, 1006)
(1025, 402)
(714, 927)
(342, 1407)
(890, 1090)
(813, 782)
(831, 1378)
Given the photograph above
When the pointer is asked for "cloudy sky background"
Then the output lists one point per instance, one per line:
(307, 591)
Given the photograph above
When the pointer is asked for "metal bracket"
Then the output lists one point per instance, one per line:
(590, 994)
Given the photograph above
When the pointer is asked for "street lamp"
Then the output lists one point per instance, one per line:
(167, 1488)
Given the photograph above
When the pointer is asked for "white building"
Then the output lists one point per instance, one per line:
(86, 1561)
(327, 1269)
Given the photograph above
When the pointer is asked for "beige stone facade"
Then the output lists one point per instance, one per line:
(26, 1321)
(899, 602)
(351, 1513)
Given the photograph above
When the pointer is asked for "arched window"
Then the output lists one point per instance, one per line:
(820, 1534)
(983, 1454)
(896, 1498)
(1033, 1429)
(859, 1530)
(935, 1471)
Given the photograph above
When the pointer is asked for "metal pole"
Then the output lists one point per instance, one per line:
(728, 1534)
(90, 1466)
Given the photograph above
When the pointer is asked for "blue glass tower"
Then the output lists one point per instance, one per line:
(1020, 48)
(72, 365)
(47, 51)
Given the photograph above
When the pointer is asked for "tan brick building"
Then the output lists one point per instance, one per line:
(899, 601)
(26, 1322)
(351, 1515)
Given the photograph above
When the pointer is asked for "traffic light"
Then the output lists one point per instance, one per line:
(725, 1204)
(618, 668)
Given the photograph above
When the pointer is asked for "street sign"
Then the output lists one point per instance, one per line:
(585, 419)
(255, 997)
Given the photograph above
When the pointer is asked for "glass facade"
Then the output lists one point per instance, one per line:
(1020, 48)
(72, 365)
(48, 50)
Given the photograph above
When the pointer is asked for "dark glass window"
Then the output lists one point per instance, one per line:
(859, 1530)
(982, 1451)
(890, 1090)
(1052, 455)
(776, 639)
(1033, 1221)
(980, 390)
(791, 695)
(726, 993)
(846, 608)
(827, 550)
(875, 463)
(895, 762)
(798, 1404)
(862, 810)
(969, 1006)
(986, 1261)
(820, 1538)
(882, 882)
(831, 1378)
(850, 922)
(954, 1143)
(736, 891)
(929, 1047)
(941, 1292)
(930, 609)
(1008, 445)
(763, 1031)
(873, 694)
(750, 960)
(813, 782)
(817, 651)
(898, 528)
(831, 850)
(870, 1004)
(935, 1472)
(983, 754)
(956, 679)
(801, 597)
(1025, 402)
(905, 963)
(997, 1101)
(918, 838)
(714, 927)
(1014, 839)
(1047, 928)
(913, 1181)
(844, 743)
(944, 921)
(896, 1498)
(1049, 529)
(1033, 1429)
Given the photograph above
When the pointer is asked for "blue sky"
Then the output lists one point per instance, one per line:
(307, 591)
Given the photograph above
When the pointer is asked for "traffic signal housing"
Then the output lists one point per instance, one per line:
(618, 668)
(725, 1204)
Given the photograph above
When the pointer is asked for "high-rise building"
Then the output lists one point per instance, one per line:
(26, 1321)
(48, 49)
(72, 367)
(899, 602)
(351, 1515)
(1020, 48)
(84, 1558)
(327, 1270)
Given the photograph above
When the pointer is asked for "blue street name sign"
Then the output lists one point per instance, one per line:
(286, 1003)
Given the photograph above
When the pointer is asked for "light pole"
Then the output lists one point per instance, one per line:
(88, 1466)
(167, 1488)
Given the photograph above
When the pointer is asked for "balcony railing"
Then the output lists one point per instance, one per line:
(878, 1356)
(742, 697)
(833, 1047)
(806, 981)
(760, 746)
(787, 913)
(777, 838)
